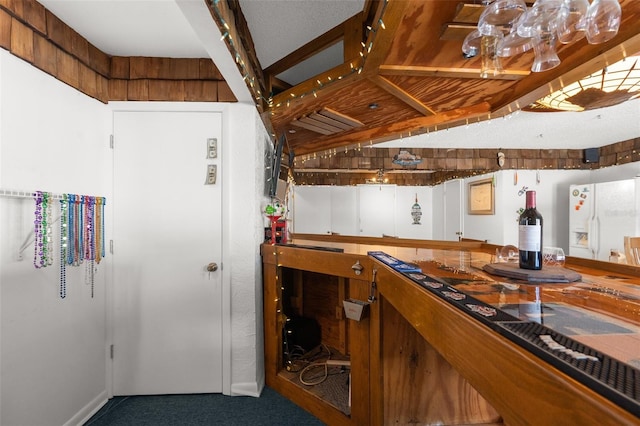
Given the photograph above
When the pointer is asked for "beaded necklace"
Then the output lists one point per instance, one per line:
(78, 255)
(64, 218)
(38, 261)
(100, 229)
(71, 229)
(89, 231)
(89, 241)
(47, 223)
(81, 234)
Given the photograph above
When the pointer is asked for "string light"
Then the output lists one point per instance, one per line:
(330, 79)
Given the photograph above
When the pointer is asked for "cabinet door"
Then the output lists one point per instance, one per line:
(311, 210)
(377, 210)
(453, 206)
(344, 210)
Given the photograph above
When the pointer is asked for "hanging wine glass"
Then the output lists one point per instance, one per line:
(603, 20)
(513, 44)
(572, 21)
(501, 15)
(491, 64)
(471, 44)
(546, 57)
(541, 19)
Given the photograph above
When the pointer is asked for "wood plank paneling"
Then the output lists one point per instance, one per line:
(98, 61)
(118, 90)
(439, 395)
(87, 80)
(35, 14)
(79, 47)
(200, 91)
(5, 30)
(120, 67)
(102, 88)
(522, 387)
(209, 71)
(166, 90)
(45, 55)
(68, 69)
(224, 93)
(21, 41)
(15, 6)
(58, 32)
(37, 36)
(138, 90)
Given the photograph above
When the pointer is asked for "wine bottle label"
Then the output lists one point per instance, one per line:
(530, 237)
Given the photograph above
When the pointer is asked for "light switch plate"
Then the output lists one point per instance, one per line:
(212, 171)
(212, 148)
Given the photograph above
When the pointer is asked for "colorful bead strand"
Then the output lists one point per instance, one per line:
(38, 261)
(71, 229)
(47, 223)
(63, 246)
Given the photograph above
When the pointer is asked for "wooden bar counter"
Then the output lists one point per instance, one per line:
(442, 341)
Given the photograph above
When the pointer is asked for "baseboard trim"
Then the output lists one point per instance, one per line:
(82, 416)
(246, 389)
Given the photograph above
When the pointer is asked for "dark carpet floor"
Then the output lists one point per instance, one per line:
(202, 409)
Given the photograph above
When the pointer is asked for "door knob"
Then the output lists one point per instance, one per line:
(212, 267)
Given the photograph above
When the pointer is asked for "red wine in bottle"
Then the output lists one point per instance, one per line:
(530, 235)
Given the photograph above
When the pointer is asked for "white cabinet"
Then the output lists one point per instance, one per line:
(377, 210)
(363, 210)
(344, 210)
(311, 210)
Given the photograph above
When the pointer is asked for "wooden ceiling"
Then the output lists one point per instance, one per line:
(404, 73)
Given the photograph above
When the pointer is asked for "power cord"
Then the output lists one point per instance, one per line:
(343, 364)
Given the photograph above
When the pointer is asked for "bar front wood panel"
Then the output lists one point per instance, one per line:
(420, 386)
(326, 262)
(523, 388)
(322, 278)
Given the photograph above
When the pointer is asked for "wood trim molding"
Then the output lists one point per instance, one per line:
(35, 35)
(356, 166)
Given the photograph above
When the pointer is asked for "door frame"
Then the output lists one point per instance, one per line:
(222, 108)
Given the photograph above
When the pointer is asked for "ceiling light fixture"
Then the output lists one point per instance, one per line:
(509, 27)
(613, 85)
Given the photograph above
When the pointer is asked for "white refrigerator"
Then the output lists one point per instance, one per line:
(601, 215)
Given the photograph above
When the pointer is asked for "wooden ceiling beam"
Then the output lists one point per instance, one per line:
(224, 14)
(405, 97)
(302, 94)
(421, 71)
(394, 130)
(309, 125)
(388, 19)
(333, 122)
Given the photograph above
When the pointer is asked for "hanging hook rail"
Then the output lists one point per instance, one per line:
(25, 194)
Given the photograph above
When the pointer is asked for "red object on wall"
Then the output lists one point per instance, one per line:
(278, 230)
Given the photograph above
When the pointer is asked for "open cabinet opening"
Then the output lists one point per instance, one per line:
(315, 348)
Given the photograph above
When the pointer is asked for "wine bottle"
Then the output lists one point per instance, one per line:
(530, 235)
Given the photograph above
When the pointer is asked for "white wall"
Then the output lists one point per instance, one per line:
(244, 197)
(552, 195)
(501, 228)
(53, 353)
(405, 199)
(52, 356)
(325, 209)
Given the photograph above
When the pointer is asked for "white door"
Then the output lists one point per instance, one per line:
(377, 210)
(167, 323)
(453, 210)
(311, 210)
